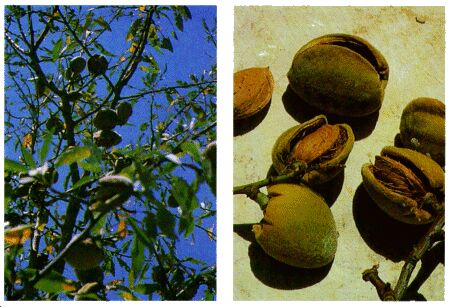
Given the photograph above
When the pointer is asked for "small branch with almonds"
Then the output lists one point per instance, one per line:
(298, 170)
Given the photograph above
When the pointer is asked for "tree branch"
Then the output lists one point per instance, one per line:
(47, 27)
(134, 60)
(168, 88)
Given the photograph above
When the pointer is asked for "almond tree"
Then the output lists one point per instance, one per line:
(109, 164)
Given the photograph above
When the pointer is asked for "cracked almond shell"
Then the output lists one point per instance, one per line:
(328, 154)
(340, 74)
(414, 198)
(298, 227)
(253, 88)
(422, 127)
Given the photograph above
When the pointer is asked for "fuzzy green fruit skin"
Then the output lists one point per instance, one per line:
(298, 227)
(77, 64)
(124, 111)
(86, 255)
(92, 275)
(97, 64)
(71, 75)
(340, 74)
(105, 119)
(113, 191)
(54, 124)
(106, 138)
(422, 127)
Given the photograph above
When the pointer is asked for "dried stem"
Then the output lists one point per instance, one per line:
(417, 253)
(384, 290)
(429, 262)
(420, 251)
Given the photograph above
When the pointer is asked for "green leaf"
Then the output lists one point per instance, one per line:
(9, 192)
(103, 24)
(172, 202)
(147, 289)
(81, 182)
(57, 47)
(137, 259)
(88, 297)
(102, 49)
(99, 226)
(27, 157)
(73, 155)
(147, 179)
(140, 234)
(150, 226)
(14, 167)
(193, 261)
(166, 222)
(186, 225)
(179, 22)
(91, 166)
(132, 31)
(128, 296)
(187, 12)
(145, 68)
(181, 192)
(166, 44)
(45, 147)
(208, 295)
(193, 149)
(54, 282)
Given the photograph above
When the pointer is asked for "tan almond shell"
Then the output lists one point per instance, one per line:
(253, 88)
(423, 119)
(340, 74)
(282, 150)
(298, 227)
(396, 205)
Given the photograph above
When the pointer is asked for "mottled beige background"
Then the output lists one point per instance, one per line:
(412, 41)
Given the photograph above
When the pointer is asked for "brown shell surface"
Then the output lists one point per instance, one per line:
(340, 74)
(330, 161)
(422, 127)
(427, 177)
(253, 88)
(298, 227)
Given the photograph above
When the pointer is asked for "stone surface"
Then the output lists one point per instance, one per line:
(412, 40)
